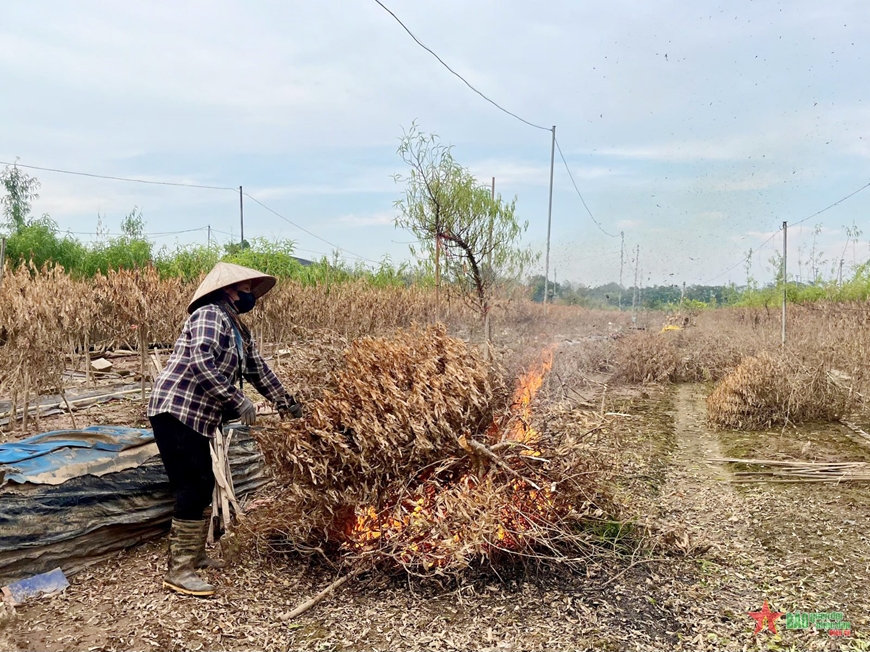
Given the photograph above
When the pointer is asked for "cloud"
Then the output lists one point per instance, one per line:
(516, 173)
(761, 235)
(371, 219)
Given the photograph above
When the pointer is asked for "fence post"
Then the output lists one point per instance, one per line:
(784, 278)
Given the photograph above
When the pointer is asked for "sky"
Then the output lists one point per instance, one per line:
(694, 128)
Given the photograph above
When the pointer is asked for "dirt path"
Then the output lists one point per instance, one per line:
(697, 498)
(768, 542)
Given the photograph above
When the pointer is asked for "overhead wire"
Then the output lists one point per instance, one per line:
(147, 235)
(742, 260)
(313, 235)
(160, 234)
(463, 79)
(839, 201)
(183, 185)
(801, 221)
(500, 108)
(129, 179)
(580, 195)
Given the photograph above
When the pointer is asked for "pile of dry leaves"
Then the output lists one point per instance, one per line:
(776, 389)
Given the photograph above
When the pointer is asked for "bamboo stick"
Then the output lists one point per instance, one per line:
(737, 460)
(799, 471)
(305, 606)
(76, 404)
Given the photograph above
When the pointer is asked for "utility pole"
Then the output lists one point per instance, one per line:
(491, 219)
(840, 275)
(487, 321)
(2, 258)
(682, 295)
(640, 293)
(242, 215)
(784, 277)
(621, 262)
(634, 293)
(549, 218)
(437, 277)
(209, 235)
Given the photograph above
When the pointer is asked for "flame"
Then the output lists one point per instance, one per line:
(527, 387)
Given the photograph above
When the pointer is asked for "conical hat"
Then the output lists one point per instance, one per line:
(226, 274)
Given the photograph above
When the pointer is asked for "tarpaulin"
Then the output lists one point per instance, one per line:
(104, 438)
(56, 456)
(72, 497)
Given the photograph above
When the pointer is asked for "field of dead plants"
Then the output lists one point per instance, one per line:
(596, 485)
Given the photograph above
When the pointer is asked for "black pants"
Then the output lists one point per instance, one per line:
(186, 456)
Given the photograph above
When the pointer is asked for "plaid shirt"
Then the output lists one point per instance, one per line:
(196, 386)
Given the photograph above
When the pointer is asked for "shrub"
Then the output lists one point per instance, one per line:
(770, 390)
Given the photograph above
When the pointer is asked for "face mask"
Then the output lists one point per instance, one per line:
(245, 302)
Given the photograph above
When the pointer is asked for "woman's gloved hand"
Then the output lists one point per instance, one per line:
(289, 408)
(247, 413)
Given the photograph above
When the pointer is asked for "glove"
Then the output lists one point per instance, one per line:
(247, 413)
(289, 408)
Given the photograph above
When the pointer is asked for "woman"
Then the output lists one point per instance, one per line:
(195, 394)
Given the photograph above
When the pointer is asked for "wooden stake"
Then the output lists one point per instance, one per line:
(143, 357)
(26, 403)
(305, 606)
(68, 408)
(89, 376)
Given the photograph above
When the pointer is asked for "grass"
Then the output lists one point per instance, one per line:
(812, 442)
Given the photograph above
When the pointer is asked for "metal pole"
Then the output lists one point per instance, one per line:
(640, 289)
(634, 292)
(784, 277)
(491, 220)
(209, 235)
(549, 218)
(621, 261)
(242, 215)
(2, 258)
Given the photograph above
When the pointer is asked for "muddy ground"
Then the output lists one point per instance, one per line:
(800, 547)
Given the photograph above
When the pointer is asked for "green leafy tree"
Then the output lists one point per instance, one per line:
(40, 242)
(475, 236)
(187, 262)
(31, 238)
(536, 284)
(130, 250)
(274, 257)
(21, 190)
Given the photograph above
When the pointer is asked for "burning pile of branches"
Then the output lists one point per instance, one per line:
(417, 458)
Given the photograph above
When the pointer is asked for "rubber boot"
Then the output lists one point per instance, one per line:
(202, 559)
(184, 541)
